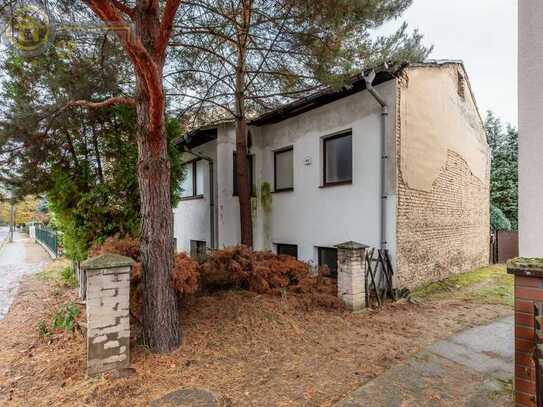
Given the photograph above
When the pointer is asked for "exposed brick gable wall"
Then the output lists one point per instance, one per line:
(443, 231)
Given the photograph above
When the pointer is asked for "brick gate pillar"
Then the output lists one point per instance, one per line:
(108, 314)
(351, 274)
(528, 295)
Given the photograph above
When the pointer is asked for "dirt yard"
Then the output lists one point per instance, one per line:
(252, 350)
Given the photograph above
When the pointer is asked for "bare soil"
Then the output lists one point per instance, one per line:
(252, 350)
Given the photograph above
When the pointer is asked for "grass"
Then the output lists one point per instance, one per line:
(490, 285)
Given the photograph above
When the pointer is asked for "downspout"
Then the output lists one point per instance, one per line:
(212, 240)
(384, 157)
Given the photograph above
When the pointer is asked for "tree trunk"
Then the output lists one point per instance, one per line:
(244, 183)
(244, 187)
(161, 325)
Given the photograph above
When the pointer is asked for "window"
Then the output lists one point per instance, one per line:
(192, 185)
(284, 170)
(198, 249)
(235, 175)
(338, 159)
(287, 249)
(328, 257)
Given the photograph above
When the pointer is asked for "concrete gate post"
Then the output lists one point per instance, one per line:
(528, 320)
(351, 274)
(108, 314)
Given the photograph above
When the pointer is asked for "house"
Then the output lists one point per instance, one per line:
(409, 174)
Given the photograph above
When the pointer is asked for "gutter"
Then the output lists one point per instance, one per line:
(212, 239)
(369, 78)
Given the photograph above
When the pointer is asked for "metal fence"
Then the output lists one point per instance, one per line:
(48, 238)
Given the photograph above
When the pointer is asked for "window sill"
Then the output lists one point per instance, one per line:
(278, 191)
(191, 198)
(336, 184)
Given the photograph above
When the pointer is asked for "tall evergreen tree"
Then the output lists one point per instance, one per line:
(503, 143)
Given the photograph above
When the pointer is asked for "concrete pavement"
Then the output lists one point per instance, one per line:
(17, 259)
(473, 368)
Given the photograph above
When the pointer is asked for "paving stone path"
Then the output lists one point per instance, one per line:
(17, 259)
(473, 368)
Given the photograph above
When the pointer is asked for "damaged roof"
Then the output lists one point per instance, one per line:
(323, 97)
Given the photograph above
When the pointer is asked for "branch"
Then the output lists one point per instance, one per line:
(129, 11)
(120, 100)
(166, 26)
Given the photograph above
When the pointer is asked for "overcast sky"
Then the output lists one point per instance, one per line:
(483, 33)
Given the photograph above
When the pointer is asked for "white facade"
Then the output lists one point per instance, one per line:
(530, 125)
(311, 215)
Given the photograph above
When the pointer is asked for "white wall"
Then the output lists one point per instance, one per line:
(192, 217)
(531, 127)
(311, 216)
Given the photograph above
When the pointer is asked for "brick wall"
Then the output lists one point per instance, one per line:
(527, 291)
(443, 231)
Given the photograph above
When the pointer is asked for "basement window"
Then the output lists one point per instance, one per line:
(198, 249)
(235, 175)
(192, 186)
(283, 173)
(328, 258)
(287, 249)
(338, 159)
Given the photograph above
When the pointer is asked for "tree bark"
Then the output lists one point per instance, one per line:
(244, 186)
(161, 325)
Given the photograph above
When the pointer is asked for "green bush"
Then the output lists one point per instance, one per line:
(68, 276)
(64, 317)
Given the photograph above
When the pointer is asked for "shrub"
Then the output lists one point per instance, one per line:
(185, 274)
(498, 220)
(65, 316)
(127, 246)
(68, 276)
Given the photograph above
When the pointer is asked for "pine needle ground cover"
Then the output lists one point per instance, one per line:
(251, 349)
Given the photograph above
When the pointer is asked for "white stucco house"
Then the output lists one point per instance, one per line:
(404, 168)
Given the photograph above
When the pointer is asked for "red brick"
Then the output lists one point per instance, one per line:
(525, 400)
(525, 386)
(526, 306)
(523, 359)
(534, 294)
(523, 345)
(523, 372)
(525, 319)
(524, 332)
(529, 282)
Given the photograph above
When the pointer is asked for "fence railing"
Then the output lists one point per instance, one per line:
(48, 238)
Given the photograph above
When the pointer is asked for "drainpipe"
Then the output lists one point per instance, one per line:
(384, 157)
(211, 196)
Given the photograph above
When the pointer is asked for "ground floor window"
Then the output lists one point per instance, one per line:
(198, 249)
(328, 257)
(287, 249)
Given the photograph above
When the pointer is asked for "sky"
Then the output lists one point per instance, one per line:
(482, 33)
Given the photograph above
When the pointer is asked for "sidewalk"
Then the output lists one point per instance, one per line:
(473, 368)
(21, 257)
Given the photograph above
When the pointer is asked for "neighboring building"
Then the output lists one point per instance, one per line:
(321, 159)
(530, 80)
